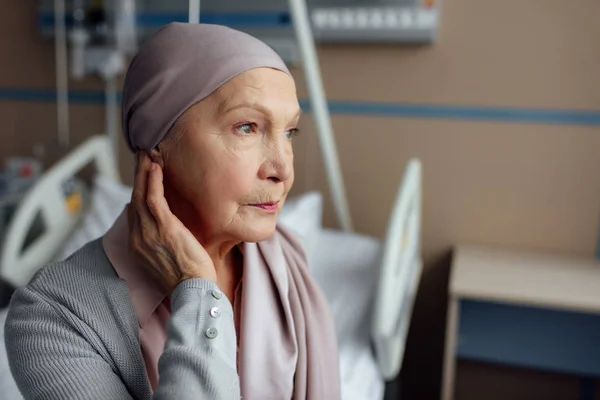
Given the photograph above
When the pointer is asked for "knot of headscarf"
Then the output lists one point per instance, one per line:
(178, 66)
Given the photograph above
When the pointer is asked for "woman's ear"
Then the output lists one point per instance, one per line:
(157, 155)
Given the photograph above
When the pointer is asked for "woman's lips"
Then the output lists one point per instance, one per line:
(269, 207)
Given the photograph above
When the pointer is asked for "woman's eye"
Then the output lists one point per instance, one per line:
(246, 129)
(292, 132)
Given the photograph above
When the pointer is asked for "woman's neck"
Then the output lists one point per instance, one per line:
(229, 272)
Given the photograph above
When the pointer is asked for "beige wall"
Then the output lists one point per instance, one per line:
(523, 185)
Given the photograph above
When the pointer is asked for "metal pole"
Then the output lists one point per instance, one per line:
(320, 111)
(194, 12)
(62, 77)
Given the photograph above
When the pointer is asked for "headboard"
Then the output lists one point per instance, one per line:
(47, 198)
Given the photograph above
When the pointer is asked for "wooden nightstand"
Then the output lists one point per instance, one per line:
(525, 309)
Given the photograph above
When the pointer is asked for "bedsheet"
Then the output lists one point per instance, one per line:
(346, 266)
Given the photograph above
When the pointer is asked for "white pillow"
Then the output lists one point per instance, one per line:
(303, 216)
(107, 202)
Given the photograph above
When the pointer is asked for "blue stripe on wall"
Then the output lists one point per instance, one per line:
(476, 113)
(365, 108)
(262, 19)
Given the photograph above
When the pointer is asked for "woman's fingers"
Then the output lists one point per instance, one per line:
(156, 201)
(139, 181)
(140, 188)
(144, 228)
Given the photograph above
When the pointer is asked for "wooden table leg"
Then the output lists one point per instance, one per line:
(450, 349)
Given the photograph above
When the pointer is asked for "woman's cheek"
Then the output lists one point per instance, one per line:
(239, 182)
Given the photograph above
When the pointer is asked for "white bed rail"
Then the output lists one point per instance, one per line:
(18, 265)
(400, 274)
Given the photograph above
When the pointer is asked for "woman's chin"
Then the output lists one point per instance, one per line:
(261, 230)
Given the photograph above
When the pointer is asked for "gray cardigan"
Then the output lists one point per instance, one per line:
(72, 333)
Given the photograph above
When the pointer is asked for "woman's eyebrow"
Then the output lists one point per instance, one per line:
(226, 107)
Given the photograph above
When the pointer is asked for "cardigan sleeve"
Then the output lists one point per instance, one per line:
(52, 356)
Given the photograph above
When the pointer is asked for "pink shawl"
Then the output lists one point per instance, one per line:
(287, 338)
(288, 343)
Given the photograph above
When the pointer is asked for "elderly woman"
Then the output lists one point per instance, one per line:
(195, 292)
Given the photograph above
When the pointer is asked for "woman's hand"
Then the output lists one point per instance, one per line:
(171, 252)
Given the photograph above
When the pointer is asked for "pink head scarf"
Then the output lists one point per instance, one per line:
(177, 67)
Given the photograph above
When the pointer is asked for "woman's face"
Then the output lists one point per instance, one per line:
(228, 175)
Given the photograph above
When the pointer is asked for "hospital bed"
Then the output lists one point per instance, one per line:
(370, 284)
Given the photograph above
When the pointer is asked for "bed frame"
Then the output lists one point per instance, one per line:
(47, 198)
(401, 262)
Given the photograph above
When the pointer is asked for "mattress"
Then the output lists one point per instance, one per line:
(346, 266)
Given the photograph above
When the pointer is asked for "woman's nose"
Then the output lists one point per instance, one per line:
(278, 164)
